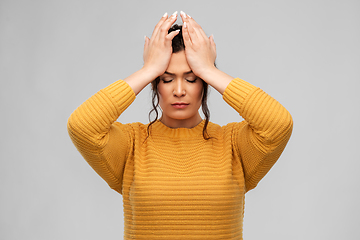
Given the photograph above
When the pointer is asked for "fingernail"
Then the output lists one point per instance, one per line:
(174, 14)
(188, 16)
(145, 37)
(183, 14)
(185, 25)
(165, 14)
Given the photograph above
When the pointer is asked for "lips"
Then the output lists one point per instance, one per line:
(180, 105)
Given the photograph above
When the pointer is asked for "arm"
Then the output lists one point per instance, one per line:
(103, 144)
(201, 54)
(157, 54)
(268, 125)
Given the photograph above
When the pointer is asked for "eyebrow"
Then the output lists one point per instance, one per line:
(175, 74)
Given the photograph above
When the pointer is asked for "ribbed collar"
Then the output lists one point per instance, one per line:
(159, 128)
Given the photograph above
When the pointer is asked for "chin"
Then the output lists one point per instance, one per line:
(180, 117)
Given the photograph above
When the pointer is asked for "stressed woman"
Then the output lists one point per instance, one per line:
(181, 176)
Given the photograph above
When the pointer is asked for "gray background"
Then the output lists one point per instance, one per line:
(56, 54)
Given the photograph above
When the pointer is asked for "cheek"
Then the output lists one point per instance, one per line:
(163, 93)
(199, 92)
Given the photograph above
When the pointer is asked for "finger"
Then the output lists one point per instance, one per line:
(158, 25)
(171, 35)
(196, 26)
(212, 42)
(186, 35)
(198, 29)
(146, 44)
(164, 28)
(189, 22)
(183, 16)
(192, 33)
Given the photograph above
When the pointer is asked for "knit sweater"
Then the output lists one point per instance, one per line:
(174, 183)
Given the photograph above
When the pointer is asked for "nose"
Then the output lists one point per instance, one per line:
(179, 88)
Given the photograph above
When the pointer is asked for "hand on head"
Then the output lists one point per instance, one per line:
(157, 49)
(199, 49)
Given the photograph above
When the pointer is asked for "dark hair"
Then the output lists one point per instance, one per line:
(178, 46)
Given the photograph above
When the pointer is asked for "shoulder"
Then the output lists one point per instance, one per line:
(213, 126)
(135, 127)
(227, 129)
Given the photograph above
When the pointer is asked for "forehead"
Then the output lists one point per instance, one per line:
(178, 63)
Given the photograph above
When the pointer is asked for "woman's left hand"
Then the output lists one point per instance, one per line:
(200, 50)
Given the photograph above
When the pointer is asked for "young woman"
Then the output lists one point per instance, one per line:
(181, 177)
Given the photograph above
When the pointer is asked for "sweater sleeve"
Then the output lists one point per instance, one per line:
(104, 143)
(268, 126)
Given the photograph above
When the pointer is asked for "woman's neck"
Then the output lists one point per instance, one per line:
(181, 123)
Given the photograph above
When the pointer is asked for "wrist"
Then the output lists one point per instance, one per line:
(150, 72)
(216, 78)
(206, 73)
(139, 79)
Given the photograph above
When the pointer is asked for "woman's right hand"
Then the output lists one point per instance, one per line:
(157, 54)
(158, 49)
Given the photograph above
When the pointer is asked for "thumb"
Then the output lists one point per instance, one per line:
(212, 42)
(171, 35)
(146, 44)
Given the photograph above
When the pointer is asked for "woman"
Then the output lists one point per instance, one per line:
(181, 177)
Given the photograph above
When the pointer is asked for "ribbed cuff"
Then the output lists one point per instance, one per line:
(236, 92)
(122, 93)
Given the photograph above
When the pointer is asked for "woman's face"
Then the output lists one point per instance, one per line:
(180, 94)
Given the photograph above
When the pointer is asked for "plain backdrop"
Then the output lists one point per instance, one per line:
(56, 54)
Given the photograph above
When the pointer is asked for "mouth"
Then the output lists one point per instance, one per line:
(180, 105)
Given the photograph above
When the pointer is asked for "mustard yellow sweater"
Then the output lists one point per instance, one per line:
(175, 184)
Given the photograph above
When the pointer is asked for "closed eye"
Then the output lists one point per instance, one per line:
(166, 80)
(188, 79)
(191, 80)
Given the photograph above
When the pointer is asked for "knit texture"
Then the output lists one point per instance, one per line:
(175, 184)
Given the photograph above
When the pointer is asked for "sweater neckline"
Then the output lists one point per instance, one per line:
(178, 132)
